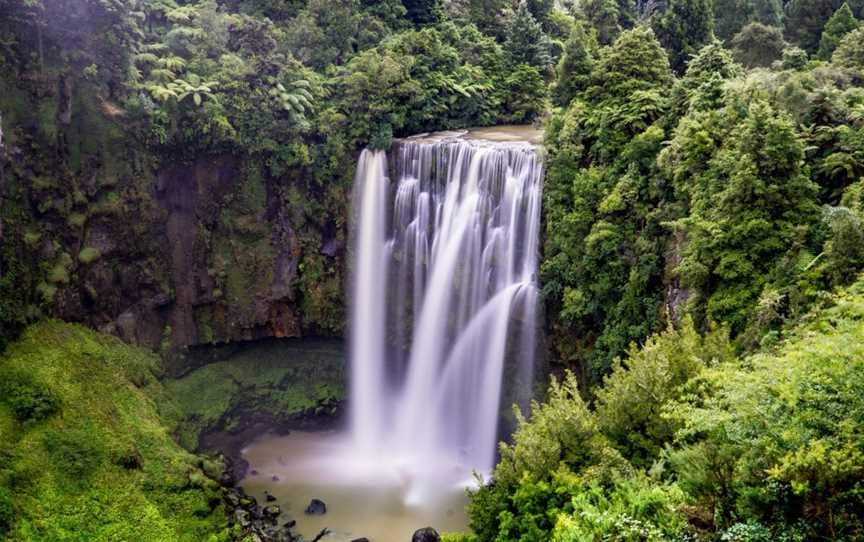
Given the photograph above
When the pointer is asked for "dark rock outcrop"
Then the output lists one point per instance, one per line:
(426, 534)
(258, 523)
(316, 507)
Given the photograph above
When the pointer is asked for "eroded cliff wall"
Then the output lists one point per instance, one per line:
(160, 249)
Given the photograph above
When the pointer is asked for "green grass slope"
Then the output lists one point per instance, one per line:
(84, 451)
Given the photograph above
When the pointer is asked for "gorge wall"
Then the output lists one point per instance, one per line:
(166, 252)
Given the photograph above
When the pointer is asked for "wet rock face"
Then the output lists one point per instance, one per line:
(195, 253)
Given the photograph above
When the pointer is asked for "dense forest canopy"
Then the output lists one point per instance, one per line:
(704, 235)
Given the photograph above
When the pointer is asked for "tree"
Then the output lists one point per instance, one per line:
(702, 86)
(805, 20)
(541, 9)
(749, 197)
(525, 94)
(840, 24)
(732, 15)
(850, 52)
(711, 59)
(603, 16)
(683, 29)
(635, 62)
(574, 68)
(526, 42)
(490, 16)
(794, 58)
(423, 12)
(758, 45)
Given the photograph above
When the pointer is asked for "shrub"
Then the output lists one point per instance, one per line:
(7, 512)
(630, 404)
(781, 438)
(28, 399)
(794, 58)
(633, 509)
(550, 457)
(76, 452)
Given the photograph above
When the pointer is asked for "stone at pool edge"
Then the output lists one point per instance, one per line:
(364, 539)
(316, 507)
(426, 534)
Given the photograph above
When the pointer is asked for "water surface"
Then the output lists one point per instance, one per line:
(368, 497)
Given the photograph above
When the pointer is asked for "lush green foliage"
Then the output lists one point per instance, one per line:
(805, 20)
(683, 29)
(840, 24)
(711, 448)
(599, 192)
(84, 453)
(749, 199)
(725, 223)
(629, 404)
(758, 45)
(779, 438)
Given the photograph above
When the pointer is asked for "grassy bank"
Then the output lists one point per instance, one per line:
(85, 454)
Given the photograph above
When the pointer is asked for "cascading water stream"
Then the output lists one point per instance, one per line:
(443, 299)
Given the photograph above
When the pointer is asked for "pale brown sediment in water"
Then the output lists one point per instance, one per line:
(355, 508)
(497, 134)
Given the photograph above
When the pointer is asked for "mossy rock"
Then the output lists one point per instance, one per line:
(286, 379)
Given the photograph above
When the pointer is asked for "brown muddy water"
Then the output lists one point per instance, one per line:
(514, 133)
(365, 497)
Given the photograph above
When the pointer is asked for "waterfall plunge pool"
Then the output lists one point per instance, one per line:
(371, 497)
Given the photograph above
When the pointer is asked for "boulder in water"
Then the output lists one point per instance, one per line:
(364, 539)
(316, 507)
(272, 511)
(426, 534)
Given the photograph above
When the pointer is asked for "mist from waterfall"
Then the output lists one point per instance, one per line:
(443, 299)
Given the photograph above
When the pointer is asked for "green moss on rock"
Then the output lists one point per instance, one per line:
(286, 379)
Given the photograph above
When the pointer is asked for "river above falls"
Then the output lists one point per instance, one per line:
(508, 133)
(367, 497)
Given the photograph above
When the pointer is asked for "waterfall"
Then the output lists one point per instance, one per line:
(443, 298)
